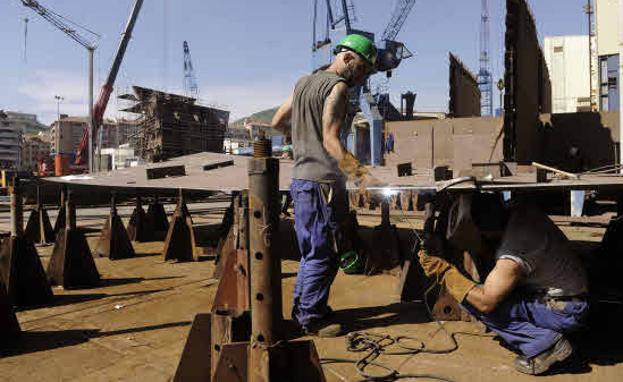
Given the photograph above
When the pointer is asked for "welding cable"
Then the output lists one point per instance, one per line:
(375, 345)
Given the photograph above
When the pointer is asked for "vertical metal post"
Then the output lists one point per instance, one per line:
(70, 212)
(17, 217)
(266, 316)
(113, 203)
(91, 121)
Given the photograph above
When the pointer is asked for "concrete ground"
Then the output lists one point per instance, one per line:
(134, 327)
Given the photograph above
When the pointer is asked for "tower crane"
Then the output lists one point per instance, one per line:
(390, 55)
(65, 26)
(485, 79)
(190, 80)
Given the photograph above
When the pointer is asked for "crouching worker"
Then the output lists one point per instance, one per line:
(534, 295)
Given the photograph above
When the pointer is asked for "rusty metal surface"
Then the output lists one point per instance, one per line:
(114, 241)
(525, 83)
(232, 294)
(232, 365)
(195, 362)
(22, 272)
(179, 244)
(464, 90)
(38, 228)
(266, 303)
(227, 329)
(157, 220)
(9, 326)
(71, 264)
(139, 228)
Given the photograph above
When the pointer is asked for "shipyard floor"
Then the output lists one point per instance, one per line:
(134, 327)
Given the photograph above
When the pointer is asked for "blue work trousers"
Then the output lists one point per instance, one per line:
(318, 209)
(531, 325)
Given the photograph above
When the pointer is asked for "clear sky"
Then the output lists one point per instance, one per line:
(247, 54)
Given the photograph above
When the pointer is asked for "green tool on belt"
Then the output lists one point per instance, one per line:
(351, 263)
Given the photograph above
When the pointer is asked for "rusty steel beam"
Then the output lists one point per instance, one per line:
(71, 264)
(266, 316)
(229, 233)
(20, 267)
(179, 244)
(39, 229)
(114, 242)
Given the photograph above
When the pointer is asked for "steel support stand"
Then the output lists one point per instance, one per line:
(251, 279)
(114, 242)
(71, 264)
(60, 218)
(180, 241)
(386, 255)
(139, 229)
(21, 270)
(157, 219)
(9, 326)
(39, 229)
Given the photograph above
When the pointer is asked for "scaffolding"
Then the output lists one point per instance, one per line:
(172, 125)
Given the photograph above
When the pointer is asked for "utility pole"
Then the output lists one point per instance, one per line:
(588, 8)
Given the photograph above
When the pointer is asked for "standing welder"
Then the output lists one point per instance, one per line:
(536, 292)
(316, 112)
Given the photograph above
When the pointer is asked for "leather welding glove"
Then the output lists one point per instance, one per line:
(352, 167)
(358, 173)
(457, 285)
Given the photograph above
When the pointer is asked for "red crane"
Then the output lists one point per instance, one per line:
(102, 100)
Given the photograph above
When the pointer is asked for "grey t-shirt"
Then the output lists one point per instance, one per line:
(542, 249)
(311, 159)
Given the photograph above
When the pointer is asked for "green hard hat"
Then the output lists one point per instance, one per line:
(361, 45)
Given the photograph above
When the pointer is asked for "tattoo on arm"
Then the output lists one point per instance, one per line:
(334, 111)
(333, 116)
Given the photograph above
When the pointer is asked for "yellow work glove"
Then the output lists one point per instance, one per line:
(457, 285)
(353, 169)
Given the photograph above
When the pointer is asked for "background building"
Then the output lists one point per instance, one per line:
(35, 148)
(607, 26)
(567, 59)
(10, 142)
(27, 123)
(66, 136)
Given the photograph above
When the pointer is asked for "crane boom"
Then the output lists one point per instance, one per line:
(104, 96)
(61, 23)
(399, 16)
(102, 100)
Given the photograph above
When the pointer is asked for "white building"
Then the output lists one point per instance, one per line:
(568, 61)
(27, 123)
(10, 143)
(607, 27)
(121, 157)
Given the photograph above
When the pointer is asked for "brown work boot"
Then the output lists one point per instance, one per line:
(539, 364)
